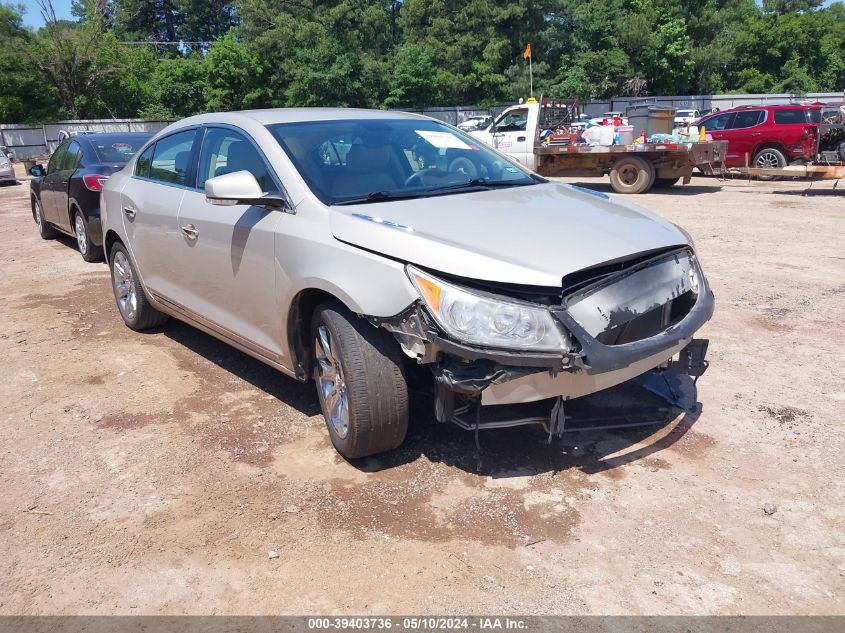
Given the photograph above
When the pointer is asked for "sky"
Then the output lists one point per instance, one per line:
(32, 17)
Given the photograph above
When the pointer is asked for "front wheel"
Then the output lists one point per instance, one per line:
(132, 302)
(360, 383)
(45, 229)
(631, 174)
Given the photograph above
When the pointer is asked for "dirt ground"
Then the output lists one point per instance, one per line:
(153, 473)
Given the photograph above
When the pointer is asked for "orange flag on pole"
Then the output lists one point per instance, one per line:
(527, 53)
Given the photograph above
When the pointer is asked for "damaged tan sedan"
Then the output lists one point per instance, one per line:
(357, 248)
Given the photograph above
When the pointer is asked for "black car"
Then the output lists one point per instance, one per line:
(65, 196)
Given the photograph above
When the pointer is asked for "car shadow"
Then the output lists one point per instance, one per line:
(508, 452)
(298, 395)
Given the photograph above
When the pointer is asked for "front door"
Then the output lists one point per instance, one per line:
(150, 208)
(49, 185)
(510, 135)
(226, 253)
(716, 126)
(70, 163)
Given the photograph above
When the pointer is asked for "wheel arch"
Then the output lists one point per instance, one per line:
(769, 145)
(109, 239)
(298, 326)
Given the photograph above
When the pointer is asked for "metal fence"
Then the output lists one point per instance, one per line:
(28, 142)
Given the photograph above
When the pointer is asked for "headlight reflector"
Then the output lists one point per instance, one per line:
(476, 319)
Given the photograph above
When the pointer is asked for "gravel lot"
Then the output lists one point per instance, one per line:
(154, 473)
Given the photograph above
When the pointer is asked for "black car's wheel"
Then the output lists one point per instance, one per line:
(769, 158)
(89, 251)
(132, 302)
(45, 229)
(360, 383)
(631, 174)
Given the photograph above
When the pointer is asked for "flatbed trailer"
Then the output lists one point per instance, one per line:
(632, 168)
(815, 172)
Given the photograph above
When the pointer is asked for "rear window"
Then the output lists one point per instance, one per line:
(116, 149)
(798, 115)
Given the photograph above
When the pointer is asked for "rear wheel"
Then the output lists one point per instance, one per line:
(89, 252)
(631, 174)
(769, 158)
(360, 383)
(45, 229)
(132, 302)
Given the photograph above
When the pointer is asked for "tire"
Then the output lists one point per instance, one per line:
(769, 157)
(631, 174)
(132, 301)
(371, 415)
(842, 151)
(665, 183)
(89, 252)
(45, 229)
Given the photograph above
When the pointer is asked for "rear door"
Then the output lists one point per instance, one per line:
(226, 253)
(745, 133)
(150, 207)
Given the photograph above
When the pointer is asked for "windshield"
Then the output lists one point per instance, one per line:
(371, 160)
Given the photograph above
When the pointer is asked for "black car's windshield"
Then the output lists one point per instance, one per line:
(372, 160)
(117, 148)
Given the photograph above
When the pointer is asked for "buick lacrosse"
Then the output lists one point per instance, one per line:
(363, 249)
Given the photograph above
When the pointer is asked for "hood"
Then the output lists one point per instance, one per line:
(531, 235)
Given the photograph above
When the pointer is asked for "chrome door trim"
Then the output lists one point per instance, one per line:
(224, 334)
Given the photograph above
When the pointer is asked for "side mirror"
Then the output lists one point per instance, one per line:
(239, 187)
(37, 171)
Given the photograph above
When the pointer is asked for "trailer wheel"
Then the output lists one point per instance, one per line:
(631, 174)
(665, 183)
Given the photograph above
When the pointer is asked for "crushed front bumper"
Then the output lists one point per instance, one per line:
(623, 325)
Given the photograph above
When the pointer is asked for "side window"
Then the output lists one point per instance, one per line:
(172, 157)
(56, 158)
(786, 117)
(513, 121)
(225, 151)
(719, 122)
(747, 119)
(72, 157)
(145, 161)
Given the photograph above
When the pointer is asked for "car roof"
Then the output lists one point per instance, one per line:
(768, 106)
(296, 115)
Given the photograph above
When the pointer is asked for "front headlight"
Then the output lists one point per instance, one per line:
(479, 320)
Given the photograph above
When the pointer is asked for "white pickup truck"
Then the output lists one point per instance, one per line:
(632, 168)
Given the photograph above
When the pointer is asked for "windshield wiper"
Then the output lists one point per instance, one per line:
(381, 196)
(480, 183)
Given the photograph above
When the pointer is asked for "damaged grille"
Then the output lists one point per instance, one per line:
(639, 303)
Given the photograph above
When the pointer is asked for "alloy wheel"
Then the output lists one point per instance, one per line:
(124, 286)
(333, 391)
(767, 160)
(81, 236)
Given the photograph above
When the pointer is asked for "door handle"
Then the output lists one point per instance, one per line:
(520, 138)
(129, 211)
(190, 231)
